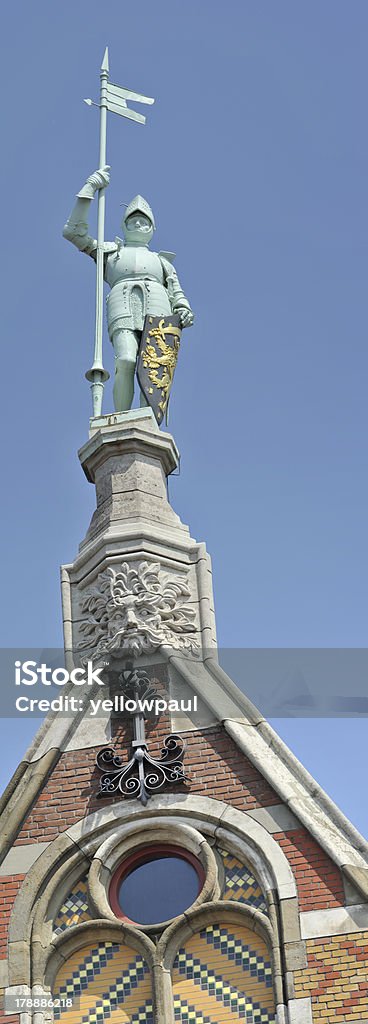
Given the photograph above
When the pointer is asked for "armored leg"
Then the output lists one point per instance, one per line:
(125, 344)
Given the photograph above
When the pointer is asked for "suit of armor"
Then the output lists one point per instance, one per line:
(141, 282)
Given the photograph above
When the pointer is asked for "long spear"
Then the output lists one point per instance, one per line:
(97, 375)
(113, 98)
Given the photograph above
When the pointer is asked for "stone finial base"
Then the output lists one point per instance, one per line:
(129, 459)
(136, 548)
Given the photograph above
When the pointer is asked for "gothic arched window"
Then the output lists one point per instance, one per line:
(194, 907)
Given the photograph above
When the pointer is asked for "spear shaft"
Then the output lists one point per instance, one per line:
(114, 98)
(97, 374)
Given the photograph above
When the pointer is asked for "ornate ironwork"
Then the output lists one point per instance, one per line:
(142, 775)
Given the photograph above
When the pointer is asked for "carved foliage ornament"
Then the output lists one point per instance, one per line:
(137, 608)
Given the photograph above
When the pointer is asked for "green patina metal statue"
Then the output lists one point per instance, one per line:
(146, 306)
(143, 283)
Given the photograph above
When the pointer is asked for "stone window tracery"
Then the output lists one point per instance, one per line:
(155, 884)
(220, 973)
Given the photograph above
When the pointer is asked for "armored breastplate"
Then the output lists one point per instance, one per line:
(131, 262)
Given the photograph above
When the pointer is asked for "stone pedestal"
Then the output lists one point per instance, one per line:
(138, 563)
(129, 459)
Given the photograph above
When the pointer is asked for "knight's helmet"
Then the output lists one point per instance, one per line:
(138, 205)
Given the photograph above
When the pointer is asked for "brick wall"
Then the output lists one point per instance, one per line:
(216, 768)
(318, 879)
(8, 891)
(336, 978)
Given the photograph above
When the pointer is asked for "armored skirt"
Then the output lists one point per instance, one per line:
(129, 302)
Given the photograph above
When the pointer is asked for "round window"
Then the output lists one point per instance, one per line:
(156, 884)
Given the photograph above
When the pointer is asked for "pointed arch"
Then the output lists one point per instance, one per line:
(224, 962)
(101, 970)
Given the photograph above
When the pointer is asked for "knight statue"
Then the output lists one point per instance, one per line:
(144, 289)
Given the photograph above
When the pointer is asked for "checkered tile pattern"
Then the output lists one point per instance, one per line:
(236, 950)
(144, 1015)
(222, 978)
(240, 884)
(185, 1014)
(188, 1014)
(75, 909)
(107, 983)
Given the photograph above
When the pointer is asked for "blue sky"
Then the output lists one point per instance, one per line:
(254, 159)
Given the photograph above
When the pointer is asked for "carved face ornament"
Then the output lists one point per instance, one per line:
(133, 623)
(137, 609)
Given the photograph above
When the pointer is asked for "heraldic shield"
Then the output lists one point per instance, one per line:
(157, 358)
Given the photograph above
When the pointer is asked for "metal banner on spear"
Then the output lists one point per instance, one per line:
(113, 98)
